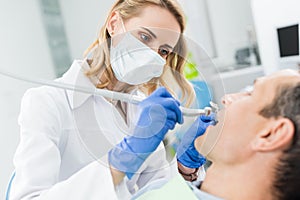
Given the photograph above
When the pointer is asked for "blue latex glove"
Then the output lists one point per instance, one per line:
(159, 113)
(187, 154)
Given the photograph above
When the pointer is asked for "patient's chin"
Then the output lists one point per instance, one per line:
(205, 143)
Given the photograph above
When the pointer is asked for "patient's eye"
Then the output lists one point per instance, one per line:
(248, 90)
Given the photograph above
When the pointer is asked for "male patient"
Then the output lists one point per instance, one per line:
(257, 154)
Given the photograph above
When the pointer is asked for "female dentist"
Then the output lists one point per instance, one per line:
(71, 143)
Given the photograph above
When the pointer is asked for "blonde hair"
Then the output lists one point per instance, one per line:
(100, 61)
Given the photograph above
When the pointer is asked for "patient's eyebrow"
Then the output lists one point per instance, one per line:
(258, 80)
(255, 80)
(254, 83)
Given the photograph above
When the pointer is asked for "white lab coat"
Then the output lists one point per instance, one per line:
(64, 140)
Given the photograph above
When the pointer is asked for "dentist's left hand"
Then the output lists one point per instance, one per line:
(159, 113)
(187, 154)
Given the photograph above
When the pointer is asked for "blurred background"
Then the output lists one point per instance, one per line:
(39, 38)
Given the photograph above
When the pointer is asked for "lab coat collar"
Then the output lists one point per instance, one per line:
(75, 76)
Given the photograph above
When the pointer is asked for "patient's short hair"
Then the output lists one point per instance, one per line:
(287, 173)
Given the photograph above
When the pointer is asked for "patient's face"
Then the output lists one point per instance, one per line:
(240, 121)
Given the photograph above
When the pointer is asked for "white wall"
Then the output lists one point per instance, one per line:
(83, 20)
(269, 15)
(229, 21)
(198, 28)
(24, 50)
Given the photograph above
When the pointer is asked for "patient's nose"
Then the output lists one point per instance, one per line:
(229, 98)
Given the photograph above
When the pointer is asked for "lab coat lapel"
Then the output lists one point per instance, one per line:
(75, 76)
(81, 104)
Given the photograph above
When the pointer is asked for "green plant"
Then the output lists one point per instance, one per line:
(190, 70)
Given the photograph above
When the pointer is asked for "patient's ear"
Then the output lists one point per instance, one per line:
(278, 134)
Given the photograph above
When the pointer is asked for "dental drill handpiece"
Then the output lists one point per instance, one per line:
(189, 112)
(215, 110)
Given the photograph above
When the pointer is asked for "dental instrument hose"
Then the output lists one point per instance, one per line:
(134, 99)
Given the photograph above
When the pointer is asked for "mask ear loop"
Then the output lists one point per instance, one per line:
(123, 27)
(99, 42)
(122, 22)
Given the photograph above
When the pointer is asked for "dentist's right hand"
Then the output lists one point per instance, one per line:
(159, 113)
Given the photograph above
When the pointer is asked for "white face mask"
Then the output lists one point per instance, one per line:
(133, 62)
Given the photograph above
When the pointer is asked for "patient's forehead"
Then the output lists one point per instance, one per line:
(284, 77)
(267, 87)
(286, 73)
